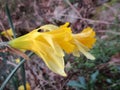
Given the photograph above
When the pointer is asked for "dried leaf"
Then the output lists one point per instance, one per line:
(59, 12)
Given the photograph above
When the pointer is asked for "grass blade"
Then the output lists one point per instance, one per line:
(10, 20)
(13, 72)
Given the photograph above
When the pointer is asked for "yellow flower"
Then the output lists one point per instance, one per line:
(7, 33)
(21, 87)
(48, 45)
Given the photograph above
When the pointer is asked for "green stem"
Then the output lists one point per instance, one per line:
(23, 75)
(12, 73)
(10, 20)
(14, 83)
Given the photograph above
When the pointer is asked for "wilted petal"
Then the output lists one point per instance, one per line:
(83, 50)
(48, 27)
(53, 61)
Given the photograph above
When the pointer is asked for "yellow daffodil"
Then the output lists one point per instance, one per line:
(7, 33)
(21, 87)
(48, 45)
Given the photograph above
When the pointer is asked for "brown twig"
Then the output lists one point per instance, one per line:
(13, 64)
(109, 31)
(68, 2)
(85, 19)
(90, 20)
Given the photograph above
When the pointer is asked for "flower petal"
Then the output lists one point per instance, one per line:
(53, 61)
(48, 27)
(58, 50)
(83, 50)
